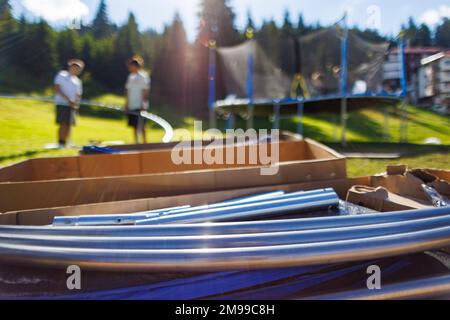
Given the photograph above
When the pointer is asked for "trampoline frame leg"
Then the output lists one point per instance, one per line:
(230, 121)
(344, 122)
(386, 133)
(251, 115)
(404, 122)
(276, 120)
(300, 109)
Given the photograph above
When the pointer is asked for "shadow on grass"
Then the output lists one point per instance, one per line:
(25, 154)
(176, 120)
(405, 149)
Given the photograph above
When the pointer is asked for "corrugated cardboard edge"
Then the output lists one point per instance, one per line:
(45, 216)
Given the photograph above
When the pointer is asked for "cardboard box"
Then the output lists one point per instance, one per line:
(45, 194)
(45, 216)
(342, 186)
(291, 150)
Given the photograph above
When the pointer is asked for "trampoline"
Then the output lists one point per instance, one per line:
(289, 107)
(333, 70)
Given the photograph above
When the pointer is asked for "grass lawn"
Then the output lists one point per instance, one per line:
(27, 126)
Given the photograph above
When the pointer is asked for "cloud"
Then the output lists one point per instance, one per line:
(434, 16)
(54, 10)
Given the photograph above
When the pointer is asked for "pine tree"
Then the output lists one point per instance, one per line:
(5, 10)
(442, 38)
(101, 26)
(7, 23)
(68, 46)
(127, 44)
(217, 23)
(411, 32)
(287, 29)
(424, 37)
(171, 65)
(42, 60)
(301, 27)
(250, 22)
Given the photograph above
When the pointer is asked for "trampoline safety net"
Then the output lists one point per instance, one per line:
(308, 66)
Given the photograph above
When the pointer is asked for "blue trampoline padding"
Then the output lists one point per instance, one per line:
(198, 287)
(96, 150)
(295, 286)
(225, 285)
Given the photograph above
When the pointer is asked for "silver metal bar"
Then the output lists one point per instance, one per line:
(230, 227)
(116, 219)
(210, 260)
(251, 210)
(228, 241)
(436, 287)
(130, 219)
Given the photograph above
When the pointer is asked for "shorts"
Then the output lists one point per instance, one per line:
(65, 115)
(135, 121)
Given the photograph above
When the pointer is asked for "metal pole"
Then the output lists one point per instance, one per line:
(300, 109)
(213, 259)
(229, 228)
(212, 83)
(230, 122)
(250, 63)
(343, 82)
(404, 91)
(276, 114)
(386, 134)
(230, 241)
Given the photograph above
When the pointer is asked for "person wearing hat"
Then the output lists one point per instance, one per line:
(137, 91)
(68, 88)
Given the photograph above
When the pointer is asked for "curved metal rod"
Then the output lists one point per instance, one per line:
(229, 241)
(436, 287)
(266, 208)
(230, 227)
(209, 260)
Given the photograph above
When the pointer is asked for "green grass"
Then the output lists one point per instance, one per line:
(27, 126)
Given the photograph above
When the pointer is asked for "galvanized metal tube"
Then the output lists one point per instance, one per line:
(230, 227)
(436, 287)
(229, 241)
(248, 211)
(130, 219)
(117, 219)
(209, 260)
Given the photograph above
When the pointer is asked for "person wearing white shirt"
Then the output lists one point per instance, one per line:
(137, 93)
(68, 89)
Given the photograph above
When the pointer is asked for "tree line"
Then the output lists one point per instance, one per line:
(31, 52)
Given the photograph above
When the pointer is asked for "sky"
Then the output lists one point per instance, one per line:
(387, 16)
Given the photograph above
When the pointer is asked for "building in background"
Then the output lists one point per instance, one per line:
(432, 81)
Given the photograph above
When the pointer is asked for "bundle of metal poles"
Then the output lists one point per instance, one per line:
(200, 239)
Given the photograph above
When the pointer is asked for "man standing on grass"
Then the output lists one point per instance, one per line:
(137, 94)
(68, 88)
